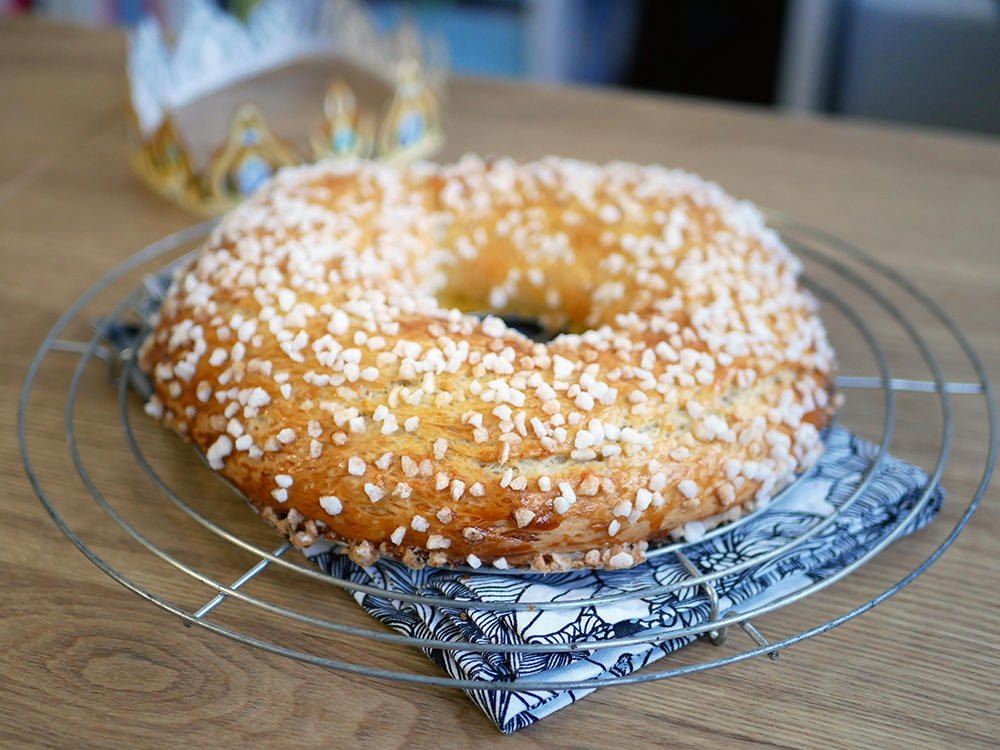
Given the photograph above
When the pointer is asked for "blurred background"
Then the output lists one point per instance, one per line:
(927, 62)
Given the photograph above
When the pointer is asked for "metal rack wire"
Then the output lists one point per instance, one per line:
(846, 264)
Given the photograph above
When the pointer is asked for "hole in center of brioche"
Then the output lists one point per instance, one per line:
(532, 327)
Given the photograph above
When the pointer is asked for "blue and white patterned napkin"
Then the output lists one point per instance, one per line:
(893, 492)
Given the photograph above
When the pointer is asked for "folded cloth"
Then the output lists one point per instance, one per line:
(893, 491)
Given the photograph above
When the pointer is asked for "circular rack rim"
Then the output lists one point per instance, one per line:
(715, 626)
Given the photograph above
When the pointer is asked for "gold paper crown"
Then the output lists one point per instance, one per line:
(381, 96)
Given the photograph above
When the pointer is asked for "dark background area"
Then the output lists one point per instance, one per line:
(927, 62)
(716, 48)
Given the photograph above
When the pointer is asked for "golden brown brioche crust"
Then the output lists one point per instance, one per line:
(318, 353)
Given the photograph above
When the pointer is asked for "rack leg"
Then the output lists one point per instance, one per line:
(754, 634)
(249, 575)
(718, 637)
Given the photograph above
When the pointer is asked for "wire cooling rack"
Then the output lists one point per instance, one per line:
(846, 279)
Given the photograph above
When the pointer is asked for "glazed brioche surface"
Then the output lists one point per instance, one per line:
(321, 352)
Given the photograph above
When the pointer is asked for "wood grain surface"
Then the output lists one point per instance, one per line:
(86, 663)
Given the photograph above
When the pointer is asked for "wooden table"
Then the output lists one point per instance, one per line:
(86, 663)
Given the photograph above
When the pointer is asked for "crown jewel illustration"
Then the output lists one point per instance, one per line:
(382, 96)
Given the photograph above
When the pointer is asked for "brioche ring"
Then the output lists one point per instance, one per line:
(317, 352)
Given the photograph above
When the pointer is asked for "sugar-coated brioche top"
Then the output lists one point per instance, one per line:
(321, 351)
